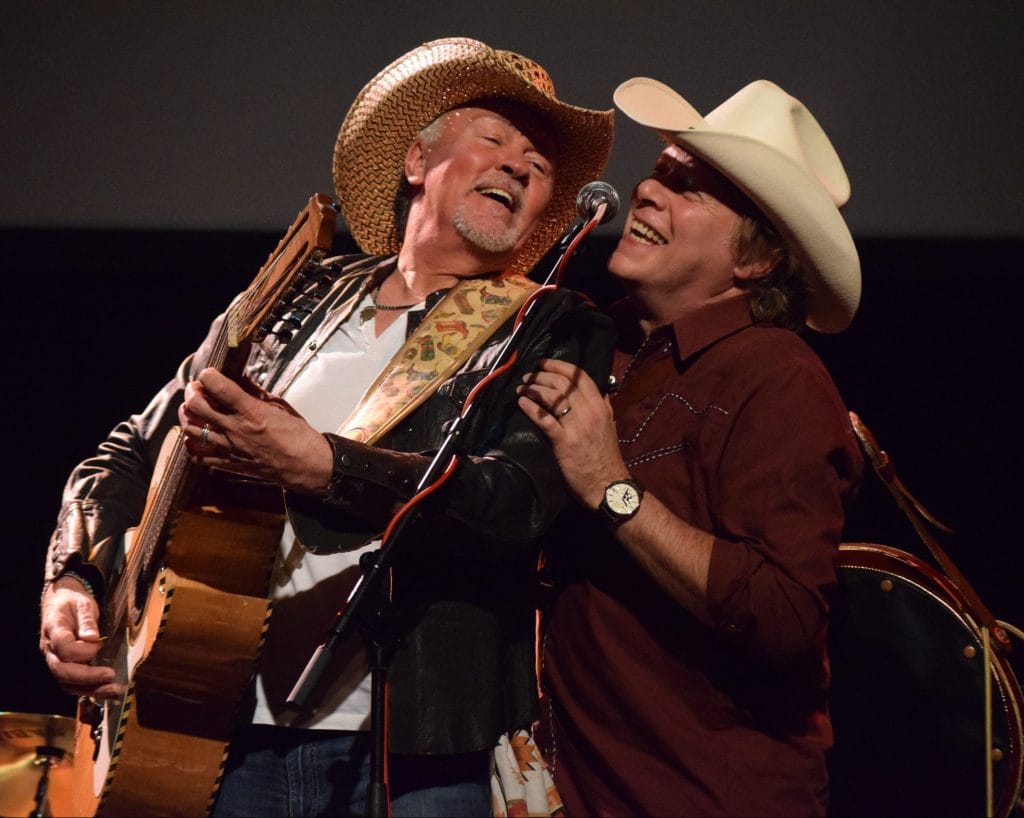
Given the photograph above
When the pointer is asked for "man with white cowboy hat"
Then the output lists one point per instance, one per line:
(684, 662)
(456, 168)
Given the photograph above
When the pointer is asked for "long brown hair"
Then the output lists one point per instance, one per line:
(779, 298)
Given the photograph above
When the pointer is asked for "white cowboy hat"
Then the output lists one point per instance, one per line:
(772, 148)
(419, 86)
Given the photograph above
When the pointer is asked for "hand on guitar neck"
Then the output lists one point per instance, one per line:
(248, 431)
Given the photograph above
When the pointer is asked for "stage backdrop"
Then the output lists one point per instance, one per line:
(101, 319)
(153, 153)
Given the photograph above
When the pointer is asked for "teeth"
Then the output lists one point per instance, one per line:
(645, 233)
(498, 194)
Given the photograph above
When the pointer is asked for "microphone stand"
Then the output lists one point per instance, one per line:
(375, 563)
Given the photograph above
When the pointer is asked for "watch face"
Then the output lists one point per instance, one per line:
(622, 498)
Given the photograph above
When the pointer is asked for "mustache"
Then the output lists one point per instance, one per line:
(505, 182)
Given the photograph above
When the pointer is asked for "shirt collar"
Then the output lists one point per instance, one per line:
(710, 323)
(699, 329)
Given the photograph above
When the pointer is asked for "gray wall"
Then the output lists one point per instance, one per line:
(223, 115)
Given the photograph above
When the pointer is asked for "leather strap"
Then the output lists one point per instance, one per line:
(915, 512)
(457, 326)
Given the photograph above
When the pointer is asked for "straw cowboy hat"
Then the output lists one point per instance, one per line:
(770, 146)
(421, 85)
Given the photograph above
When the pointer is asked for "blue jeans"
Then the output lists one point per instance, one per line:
(281, 771)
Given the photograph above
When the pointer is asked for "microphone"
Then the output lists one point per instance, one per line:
(594, 194)
(591, 196)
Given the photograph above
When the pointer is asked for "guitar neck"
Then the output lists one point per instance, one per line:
(248, 319)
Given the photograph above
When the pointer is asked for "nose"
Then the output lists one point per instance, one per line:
(648, 191)
(515, 165)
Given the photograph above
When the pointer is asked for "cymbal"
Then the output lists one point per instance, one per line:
(28, 741)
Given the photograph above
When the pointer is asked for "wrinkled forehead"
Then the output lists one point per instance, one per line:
(530, 122)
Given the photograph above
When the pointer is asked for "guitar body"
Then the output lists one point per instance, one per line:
(187, 622)
(188, 661)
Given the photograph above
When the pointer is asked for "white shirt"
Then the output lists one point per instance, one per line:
(309, 589)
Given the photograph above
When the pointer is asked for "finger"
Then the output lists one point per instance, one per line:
(106, 691)
(200, 440)
(576, 376)
(114, 690)
(541, 417)
(551, 400)
(87, 613)
(222, 393)
(78, 672)
(205, 434)
(67, 648)
(82, 679)
(567, 370)
(552, 380)
(70, 659)
(250, 386)
(197, 411)
(540, 391)
(189, 420)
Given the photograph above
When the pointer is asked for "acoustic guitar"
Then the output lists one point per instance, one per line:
(186, 615)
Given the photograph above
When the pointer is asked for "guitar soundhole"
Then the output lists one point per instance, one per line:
(143, 587)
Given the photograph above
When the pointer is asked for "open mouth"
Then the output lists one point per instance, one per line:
(644, 233)
(502, 197)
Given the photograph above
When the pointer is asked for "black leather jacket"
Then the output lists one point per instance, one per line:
(463, 577)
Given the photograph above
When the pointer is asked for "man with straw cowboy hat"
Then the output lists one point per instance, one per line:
(684, 661)
(456, 168)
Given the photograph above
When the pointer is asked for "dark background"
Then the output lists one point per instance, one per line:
(929, 364)
(152, 154)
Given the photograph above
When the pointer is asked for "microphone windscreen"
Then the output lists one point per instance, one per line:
(593, 194)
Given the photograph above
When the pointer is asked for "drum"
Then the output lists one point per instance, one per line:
(908, 696)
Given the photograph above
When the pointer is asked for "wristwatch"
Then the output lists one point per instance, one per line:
(621, 500)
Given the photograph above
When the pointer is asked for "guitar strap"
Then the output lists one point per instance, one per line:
(915, 512)
(458, 325)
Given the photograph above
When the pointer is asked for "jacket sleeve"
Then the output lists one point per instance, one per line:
(506, 486)
(106, 494)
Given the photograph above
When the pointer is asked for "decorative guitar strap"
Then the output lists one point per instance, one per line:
(457, 326)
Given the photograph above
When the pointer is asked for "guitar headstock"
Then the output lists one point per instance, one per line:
(308, 239)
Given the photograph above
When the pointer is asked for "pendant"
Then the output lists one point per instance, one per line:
(366, 313)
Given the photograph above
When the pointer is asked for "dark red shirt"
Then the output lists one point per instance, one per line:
(740, 431)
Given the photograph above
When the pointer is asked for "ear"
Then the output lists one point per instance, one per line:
(415, 163)
(757, 268)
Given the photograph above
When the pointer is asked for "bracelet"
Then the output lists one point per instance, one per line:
(75, 575)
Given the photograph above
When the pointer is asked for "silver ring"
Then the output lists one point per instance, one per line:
(565, 411)
(204, 436)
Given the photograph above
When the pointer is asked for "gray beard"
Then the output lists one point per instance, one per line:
(493, 241)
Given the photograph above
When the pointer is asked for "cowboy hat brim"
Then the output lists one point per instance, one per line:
(801, 206)
(436, 77)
